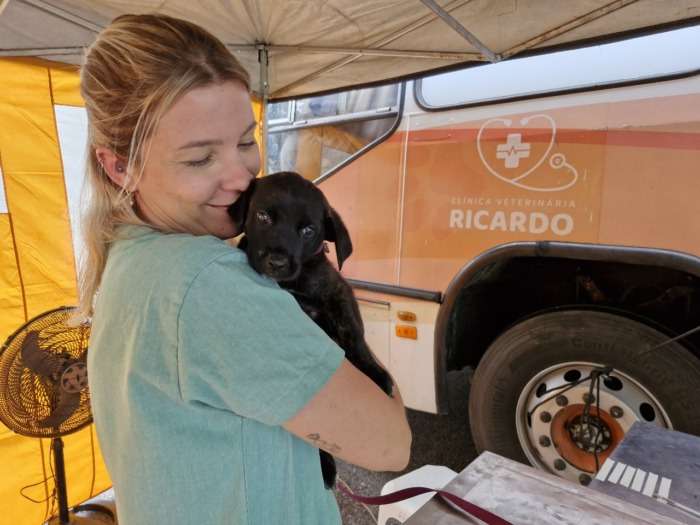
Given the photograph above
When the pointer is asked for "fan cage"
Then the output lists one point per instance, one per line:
(26, 397)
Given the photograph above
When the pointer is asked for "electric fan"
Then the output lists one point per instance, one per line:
(44, 391)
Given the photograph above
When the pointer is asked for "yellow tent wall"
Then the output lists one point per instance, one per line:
(37, 270)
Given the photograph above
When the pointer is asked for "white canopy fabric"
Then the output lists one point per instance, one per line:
(321, 45)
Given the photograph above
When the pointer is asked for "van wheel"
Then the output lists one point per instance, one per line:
(531, 397)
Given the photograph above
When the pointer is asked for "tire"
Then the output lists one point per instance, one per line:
(660, 386)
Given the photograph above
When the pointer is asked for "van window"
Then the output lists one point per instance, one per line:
(315, 136)
(634, 60)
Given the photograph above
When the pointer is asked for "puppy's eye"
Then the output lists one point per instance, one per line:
(307, 232)
(263, 217)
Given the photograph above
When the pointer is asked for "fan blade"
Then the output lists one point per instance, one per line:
(67, 404)
(37, 360)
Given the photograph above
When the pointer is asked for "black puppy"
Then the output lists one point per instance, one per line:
(286, 220)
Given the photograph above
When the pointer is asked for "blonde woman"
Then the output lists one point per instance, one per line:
(211, 390)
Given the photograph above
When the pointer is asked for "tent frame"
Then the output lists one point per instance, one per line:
(377, 48)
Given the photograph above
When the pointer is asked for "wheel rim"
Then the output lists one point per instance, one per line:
(559, 439)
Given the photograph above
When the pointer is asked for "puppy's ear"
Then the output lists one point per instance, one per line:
(336, 232)
(239, 209)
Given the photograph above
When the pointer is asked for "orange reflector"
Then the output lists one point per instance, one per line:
(406, 316)
(409, 332)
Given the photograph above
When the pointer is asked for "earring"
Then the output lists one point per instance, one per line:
(129, 198)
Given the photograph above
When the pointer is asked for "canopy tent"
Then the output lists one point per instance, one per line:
(319, 45)
(311, 45)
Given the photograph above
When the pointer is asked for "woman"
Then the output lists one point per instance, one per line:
(211, 390)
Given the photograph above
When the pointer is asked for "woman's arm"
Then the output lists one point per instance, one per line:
(352, 419)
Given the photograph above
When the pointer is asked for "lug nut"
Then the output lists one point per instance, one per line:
(545, 417)
(545, 441)
(588, 398)
(616, 412)
(584, 479)
(559, 464)
(562, 401)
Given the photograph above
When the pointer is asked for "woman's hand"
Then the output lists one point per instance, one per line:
(352, 419)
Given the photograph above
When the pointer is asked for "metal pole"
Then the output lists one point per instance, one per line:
(63, 515)
(568, 26)
(263, 59)
(459, 28)
(64, 14)
(440, 55)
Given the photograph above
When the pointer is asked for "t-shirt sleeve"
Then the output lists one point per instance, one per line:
(245, 345)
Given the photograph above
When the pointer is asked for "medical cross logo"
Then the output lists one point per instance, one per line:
(513, 150)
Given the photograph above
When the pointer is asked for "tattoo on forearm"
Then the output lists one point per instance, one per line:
(325, 445)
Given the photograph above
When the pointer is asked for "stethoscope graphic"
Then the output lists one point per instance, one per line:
(556, 161)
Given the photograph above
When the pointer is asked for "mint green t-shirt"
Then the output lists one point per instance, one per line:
(195, 361)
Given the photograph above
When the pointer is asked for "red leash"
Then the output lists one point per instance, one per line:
(472, 510)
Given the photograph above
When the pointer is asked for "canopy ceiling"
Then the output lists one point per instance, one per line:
(321, 45)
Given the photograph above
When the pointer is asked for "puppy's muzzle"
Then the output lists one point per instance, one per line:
(279, 266)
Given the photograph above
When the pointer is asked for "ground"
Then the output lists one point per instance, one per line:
(437, 440)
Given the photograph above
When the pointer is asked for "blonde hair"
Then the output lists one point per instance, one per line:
(138, 67)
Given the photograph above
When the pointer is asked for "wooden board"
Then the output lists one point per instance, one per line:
(526, 496)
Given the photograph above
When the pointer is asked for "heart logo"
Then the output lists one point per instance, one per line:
(513, 150)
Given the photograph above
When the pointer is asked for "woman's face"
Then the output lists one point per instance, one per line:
(202, 156)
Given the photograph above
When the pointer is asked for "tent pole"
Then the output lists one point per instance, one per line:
(64, 14)
(263, 59)
(459, 28)
(568, 26)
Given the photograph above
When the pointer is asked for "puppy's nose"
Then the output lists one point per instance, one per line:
(277, 262)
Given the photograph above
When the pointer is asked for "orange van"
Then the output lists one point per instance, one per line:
(535, 220)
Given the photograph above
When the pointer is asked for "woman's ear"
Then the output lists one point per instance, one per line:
(114, 166)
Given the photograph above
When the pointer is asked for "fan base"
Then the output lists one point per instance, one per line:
(94, 515)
